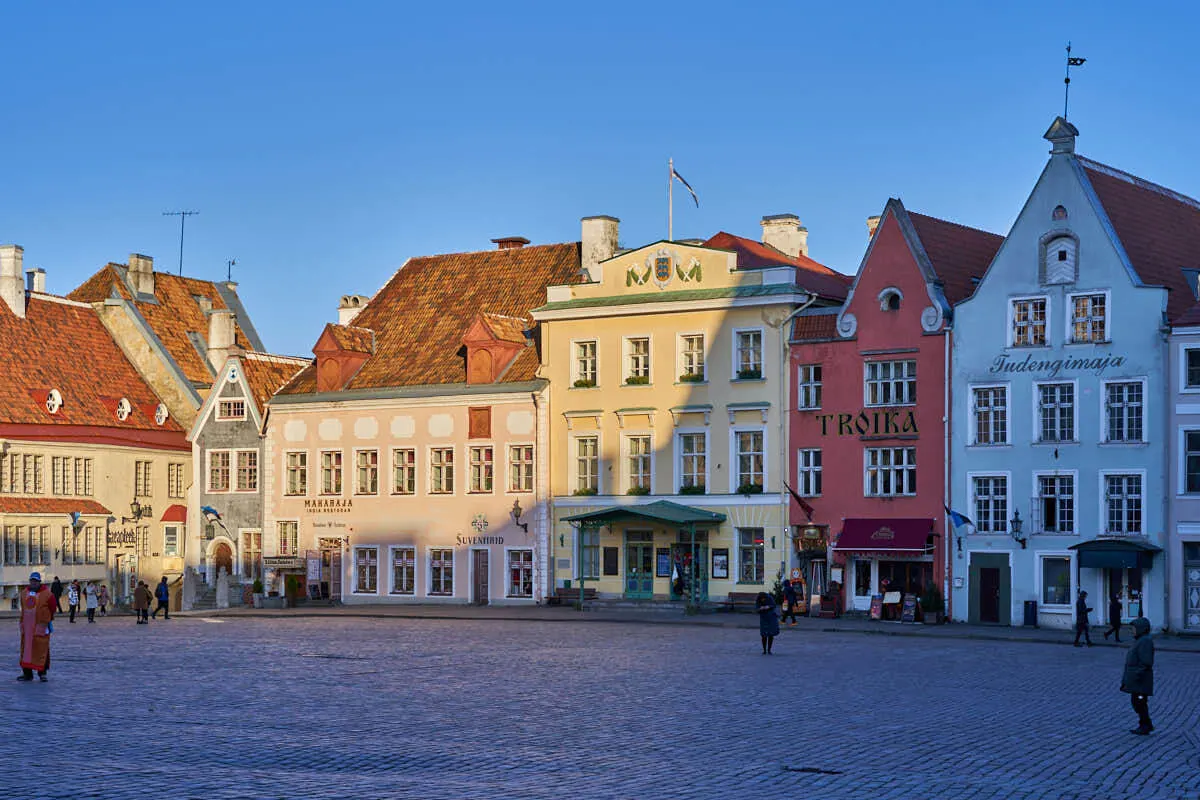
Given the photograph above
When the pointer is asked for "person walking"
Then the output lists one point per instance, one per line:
(92, 600)
(37, 615)
(104, 600)
(1114, 616)
(789, 603)
(56, 589)
(1081, 620)
(163, 595)
(1138, 678)
(141, 603)
(768, 621)
(73, 599)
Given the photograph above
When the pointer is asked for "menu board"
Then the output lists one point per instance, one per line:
(909, 611)
(876, 606)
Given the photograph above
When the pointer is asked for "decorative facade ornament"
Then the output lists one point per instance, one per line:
(931, 319)
(693, 273)
(633, 277)
(661, 264)
(847, 324)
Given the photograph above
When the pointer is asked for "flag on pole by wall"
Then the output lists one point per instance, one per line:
(804, 505)
(687, 185)
(958, 520)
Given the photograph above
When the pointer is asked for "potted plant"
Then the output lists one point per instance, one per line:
(586, 491)
(638, 490)
(637, 380)
(291, 586)
(749, 374)
(932, 605)
(748, 489)
(694, 488)
(584, 383)
(692, 377)
(257, 596)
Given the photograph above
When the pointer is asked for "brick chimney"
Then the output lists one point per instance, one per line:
(141, 273)
(35, 280)
(785, 233)
(510, 242)
(221, 337)
(599, 243)
(872, 224)
(12, 285)
(349, 307)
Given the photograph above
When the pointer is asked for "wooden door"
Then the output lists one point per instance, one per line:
(223, 559)
(639, 570)
(989, 594)
(479, 564)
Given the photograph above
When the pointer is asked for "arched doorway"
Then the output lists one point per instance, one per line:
(222, 558)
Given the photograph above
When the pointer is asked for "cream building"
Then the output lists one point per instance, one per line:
(666, 398)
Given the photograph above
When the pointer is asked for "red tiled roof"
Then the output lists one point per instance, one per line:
(420, 315)
(175, 314)
(51, 505)
(810, 275)
(265, 374)
(1189, 318)
(63, 345)
(352, 338)
(814, 327)
(506, 328)
(1159, 229)
(958, 253)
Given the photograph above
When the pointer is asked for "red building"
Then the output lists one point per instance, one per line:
(870, 390)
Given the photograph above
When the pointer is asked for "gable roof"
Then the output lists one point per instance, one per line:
(1159, 230)
(810, 275)
(956, 252)
(63, 345)
(265, 374)
(352, 338)
(421, 314)
(174, 316)
(506, 328)
(815, 325)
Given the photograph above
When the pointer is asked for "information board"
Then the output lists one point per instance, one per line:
(909, 611)
(876, 606)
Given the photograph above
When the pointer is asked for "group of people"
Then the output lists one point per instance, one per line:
(94, 598)
(141, 601)
(1138, 678)
(769, 620)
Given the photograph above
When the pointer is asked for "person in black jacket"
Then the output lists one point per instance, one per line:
(1138, 678)
(790, 599)
(768, 621)
(1114, 616)
(56, 589)
(1081, 620)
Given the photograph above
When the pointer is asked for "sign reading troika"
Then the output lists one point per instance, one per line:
(884, 422)
(1052, 366)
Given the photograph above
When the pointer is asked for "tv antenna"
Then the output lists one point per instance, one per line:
(183, 215)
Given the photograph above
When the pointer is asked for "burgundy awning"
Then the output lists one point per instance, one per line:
(898, 535)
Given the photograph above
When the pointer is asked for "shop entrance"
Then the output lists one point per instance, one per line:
(479, 577)
(990, 589)
(1191, 585)
(1127, 584)
(222, 559)
(690, 569)
(331, 568)
(639, 565)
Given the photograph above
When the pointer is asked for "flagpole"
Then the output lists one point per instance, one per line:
(670, 199)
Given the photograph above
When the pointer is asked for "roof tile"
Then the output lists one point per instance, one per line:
(810, 275)
(960, 255)
(265, 374)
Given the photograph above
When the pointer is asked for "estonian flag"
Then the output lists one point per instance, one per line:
(675, 174)
(808, 509)
(959, 520)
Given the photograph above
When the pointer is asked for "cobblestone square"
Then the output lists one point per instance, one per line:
(380, 708)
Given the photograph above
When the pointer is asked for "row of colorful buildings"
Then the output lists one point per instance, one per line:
(679, 422)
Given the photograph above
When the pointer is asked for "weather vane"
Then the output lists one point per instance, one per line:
(1072, 61)
(229, 265)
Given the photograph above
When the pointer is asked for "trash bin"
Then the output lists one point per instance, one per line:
(1031, 614)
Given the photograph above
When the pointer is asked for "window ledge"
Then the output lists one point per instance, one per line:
(747, 380)
(691, 383)
(1055, 443)
(402, 594)
(1085, 344)
(582, 388)
(1030, 347)
(985, 446)
(890, 405)
(1055, 609)
(1123, 444)
(745, 583)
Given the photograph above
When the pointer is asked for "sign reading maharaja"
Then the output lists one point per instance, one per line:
(332, 505)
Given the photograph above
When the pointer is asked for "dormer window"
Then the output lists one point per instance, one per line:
(1059, 260)
(123, 409)
(54, 401)
(889, 299)
(161, 414)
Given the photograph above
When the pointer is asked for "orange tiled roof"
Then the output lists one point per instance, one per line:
(51, 505)
(353, 338)
(814, 327)
(265, 373)
(174, 316)
(420, 315)
(958, 253)
(506, 328)
(63, 345)
(810, 274)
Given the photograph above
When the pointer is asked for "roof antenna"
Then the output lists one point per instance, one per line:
(1072, 61)
(183, 215)
(229, 265)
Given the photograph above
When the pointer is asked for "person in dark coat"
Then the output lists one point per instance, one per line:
(1114, 616)
(1138, 678)
(56, 589)
(768, 621)
(790, 599)
(1081, 620)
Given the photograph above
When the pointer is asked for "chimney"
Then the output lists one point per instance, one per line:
(510, 242)
(141, 273)
(221, 337)
(599, 243)
(35, 280)
(12, 287)
(872, 224)
(349, 307)
(785, 233)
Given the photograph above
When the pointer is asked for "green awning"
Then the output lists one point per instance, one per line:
(662, 511)
(1115, 553)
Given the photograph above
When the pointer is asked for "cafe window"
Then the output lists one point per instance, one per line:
(1056, 580)
(331, 472)
(1123, 407)
(520, 573)
(1056, 504)
(366, 570)
(404, 471)
(891, 471)
(297, 473)
(693, 456)
(637, 453)
(891, 383)
(749, 354)
(808, 386)
(441, 572)
(288, 532)
(1123, 499)
(751, 555)
(808, 473)
(590, 545)
(1088, 318)
(218, 470)
(441, 470)
(587, 465)
(748, 450)
(862, 578)
(247, 470)
(520, 468)
(990, 405)
(366, 472)
(404, 570)
(637, 355)
(1029, 322)
(1056, 410)
(482, 469)
(991, 503)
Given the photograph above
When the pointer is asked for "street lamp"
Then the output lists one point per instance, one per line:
(137, 512)
(1015, 528)
(515, 514)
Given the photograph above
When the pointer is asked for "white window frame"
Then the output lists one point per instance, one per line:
(627, 358)
(680, 369)
(429, 470)
(1104, 384)
(866, 455)
(734, 455)
(1184, 388)
(1008, 502)
(358, 548)
(208, 474)
(378, 463)
(1069, 315)
(575, 372)
(891, 379)
(573, 455)
(222, 416)
(1008, 409)
(416, 570)
(626, 467)
(1011, 316)
(508, 467)
(679, 455)
(1036, 438)
(1035, 495)
(735, 366)
(236, 483)
(807, 387)
(806, 474)
(429, 575)
(392, 472)
(1102, 494)
(1072, 572)
(171, 551)
(471, 448)
(1181, 460)
(321, 473)
(508, 551)
(279, 542)
(287, 474)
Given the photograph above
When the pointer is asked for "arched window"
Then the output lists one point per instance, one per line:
(889, 299)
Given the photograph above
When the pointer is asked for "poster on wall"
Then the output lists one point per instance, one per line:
(662, 568)
(720, 563)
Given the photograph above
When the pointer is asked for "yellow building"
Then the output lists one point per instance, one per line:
(666, 390)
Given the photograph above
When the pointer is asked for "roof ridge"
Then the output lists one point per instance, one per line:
(54, 298)
(955, 224)
(523, 248)
(254, 355)
(1129, 177)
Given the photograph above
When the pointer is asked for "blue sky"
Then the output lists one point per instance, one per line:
(325, 143)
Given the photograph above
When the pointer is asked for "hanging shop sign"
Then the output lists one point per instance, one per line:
(1004, 363)
(123, 538)
(332, 505)
(284, 562)
(882, 422)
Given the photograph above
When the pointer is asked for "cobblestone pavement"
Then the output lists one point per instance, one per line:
(379, 708)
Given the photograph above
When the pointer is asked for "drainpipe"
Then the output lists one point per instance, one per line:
(784, 418)
(947, 524)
